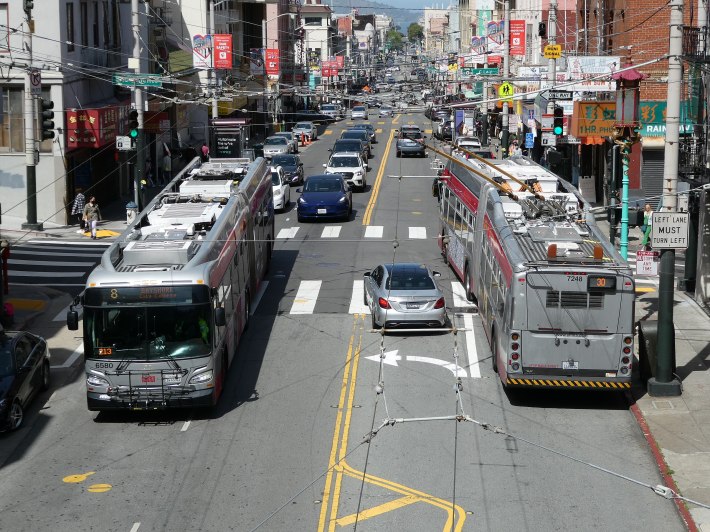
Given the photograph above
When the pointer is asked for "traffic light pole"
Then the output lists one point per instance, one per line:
(30, 121)
(505, 139)
(138, 101)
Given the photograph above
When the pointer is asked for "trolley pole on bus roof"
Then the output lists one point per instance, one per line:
(665, 383)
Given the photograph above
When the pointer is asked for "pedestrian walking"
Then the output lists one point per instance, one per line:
(167, 168)
(646, 227)
(92, 215)
(149, 173)
(205, 150)
(77, 208)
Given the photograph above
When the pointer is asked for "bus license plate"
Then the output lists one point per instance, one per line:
(322, 211)
(171, 379)
(566, 364)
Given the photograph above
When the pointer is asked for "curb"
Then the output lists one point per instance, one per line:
(685, 514)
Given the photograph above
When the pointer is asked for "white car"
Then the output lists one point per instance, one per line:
(468, 143)
(359, 111)
(351, 166)
(282, 190)
(291, 138)
(305, 128)
(386, 110)
(331, 109)
(276, 146)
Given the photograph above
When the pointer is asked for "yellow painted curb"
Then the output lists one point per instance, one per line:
(27, 304)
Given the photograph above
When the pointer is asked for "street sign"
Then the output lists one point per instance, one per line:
(468, 71)
(35, 82)
(669, 230)
(546, 122)
(553, 51)
(548, 139)
(559, 95)
(647, 262)
(127, 79)
(124, 143)
(506, 90)
(529, 140)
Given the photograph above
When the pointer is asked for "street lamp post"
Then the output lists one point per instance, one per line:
(506, 74)
(273, 97)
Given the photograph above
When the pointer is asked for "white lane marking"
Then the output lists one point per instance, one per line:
(79, 351)
(417, 232)
(259, 295)
(374, 231)
(185, 426)
(135, 527)
(331, 231)
(357, 305)
(306, 297)
(459, 293)
(474, 365)
(287, 232)
(460, 372)
(62, 316)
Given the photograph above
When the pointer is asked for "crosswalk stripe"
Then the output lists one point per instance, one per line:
(474, 365)
(417, 232)
(287, 232)
(306, 297)
(331, 231)
(357, 301)
(460, 301)
(374, 231)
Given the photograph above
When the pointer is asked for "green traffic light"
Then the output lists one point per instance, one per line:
(133, 133)
(557, 130)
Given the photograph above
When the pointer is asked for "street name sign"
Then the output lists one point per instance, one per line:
(559, 95)
(647, 262)
(669, 230)
(127, 79)
(553, 51)
(468, 71)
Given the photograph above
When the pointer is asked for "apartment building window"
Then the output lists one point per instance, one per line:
(95, 24)
(107, 28)
(4, 33)
(84, 21)
(312, 21)
(70, 27)
(12, 123)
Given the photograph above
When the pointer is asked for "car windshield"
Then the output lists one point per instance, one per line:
(7, 361)
(413, 135)
(409, 279)
(275, 179)
(344, 162)
(328, 108)
(322, 185)
(303, 125)
(284, 160)
(358, 109)
(354, 134)
(275, 141)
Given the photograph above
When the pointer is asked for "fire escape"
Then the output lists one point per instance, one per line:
(693, 158)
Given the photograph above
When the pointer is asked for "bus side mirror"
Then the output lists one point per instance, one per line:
(219, 317)
(72, 320)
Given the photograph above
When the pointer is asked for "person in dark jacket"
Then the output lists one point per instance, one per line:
(92, 215)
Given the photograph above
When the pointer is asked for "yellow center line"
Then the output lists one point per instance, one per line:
(378, 182)
(396, 119)
(645, 289)
(378, 510)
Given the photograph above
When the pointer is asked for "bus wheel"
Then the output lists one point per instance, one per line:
(467, 285)
(494, 351)
(268, 255)
(445, 253)
(247, 311)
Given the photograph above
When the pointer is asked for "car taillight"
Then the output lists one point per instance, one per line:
(440, 303)
(383, 303)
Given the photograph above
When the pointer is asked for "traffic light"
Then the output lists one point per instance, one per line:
(558, 121)
(27, 6)
(133, 123)
(47, 122)
(542, 29)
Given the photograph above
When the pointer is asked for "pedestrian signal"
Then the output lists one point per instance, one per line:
(133, 123)
(47, 122)
(558, 121)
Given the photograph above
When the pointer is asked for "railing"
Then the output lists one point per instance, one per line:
(695, 44)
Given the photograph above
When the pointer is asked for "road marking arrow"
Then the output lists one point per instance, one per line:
(391, 358)
(448, 365)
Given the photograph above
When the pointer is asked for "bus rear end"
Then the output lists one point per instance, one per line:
(574, 330)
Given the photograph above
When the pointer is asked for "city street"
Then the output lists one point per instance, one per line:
(297, 440)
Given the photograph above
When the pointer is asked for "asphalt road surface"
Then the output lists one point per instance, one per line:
(298, 442)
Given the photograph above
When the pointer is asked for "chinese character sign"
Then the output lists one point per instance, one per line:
(272, 61)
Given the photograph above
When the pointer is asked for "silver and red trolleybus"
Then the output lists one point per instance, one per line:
(165, 309)
(555, 297)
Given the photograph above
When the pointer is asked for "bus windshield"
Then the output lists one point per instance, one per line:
(148, 333)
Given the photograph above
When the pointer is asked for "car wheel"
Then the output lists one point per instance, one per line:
(17, 415)
(364, 297)
(399, 153)
(287, 202)
(300, 218)
(45, 377)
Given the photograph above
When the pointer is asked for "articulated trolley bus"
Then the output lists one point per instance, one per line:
(555, 298)
(165, 309)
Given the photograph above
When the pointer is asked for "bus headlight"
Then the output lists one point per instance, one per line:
(95, 380)
(201, 377)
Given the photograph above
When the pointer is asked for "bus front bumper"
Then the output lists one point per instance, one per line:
(142, 400)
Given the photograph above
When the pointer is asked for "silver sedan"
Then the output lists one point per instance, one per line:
(404, 294)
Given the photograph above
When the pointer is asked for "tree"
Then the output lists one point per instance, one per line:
(415, 32)
(393, 38)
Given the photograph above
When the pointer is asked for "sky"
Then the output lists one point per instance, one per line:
(408, 4)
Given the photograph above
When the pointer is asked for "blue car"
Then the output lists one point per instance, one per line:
(324, 196)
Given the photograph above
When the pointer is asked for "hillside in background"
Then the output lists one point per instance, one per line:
(402, 17)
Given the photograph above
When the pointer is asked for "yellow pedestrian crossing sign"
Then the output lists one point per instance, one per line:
(506, 91)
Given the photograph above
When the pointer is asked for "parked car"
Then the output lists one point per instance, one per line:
(467, 143)
(444, 130)
(361, 134)
(351, 166)
(359, 111)
(410, 142)
(324, 196)
(386, 110)
(351, 145)
(292, 143)
(370, 129)
(331, 109)
(305, 128)
(24, 372)
(404, 294)
(275, 146)
(281, 189)
(291, 166)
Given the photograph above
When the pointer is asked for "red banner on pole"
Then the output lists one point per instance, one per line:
(222, 56)
(272, 61)
(517, 37)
